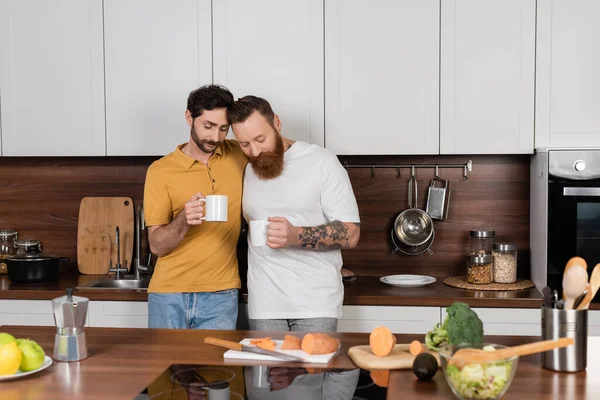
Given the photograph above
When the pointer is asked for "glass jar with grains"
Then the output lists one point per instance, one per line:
(7, 246)
(479, 270)
(482, 242)
(505, 263)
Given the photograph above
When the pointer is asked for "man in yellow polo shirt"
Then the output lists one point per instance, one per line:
(196, 280)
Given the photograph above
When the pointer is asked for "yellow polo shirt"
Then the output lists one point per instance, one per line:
(206, 258)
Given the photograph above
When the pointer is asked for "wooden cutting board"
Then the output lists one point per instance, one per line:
(96, 228)
(399, 358)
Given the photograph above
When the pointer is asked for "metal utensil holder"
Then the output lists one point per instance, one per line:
(558, 324)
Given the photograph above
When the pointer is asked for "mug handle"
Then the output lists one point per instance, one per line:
(203, 201)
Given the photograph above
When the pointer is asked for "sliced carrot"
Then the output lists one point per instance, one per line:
(319, 343)
(415, 348)
(258, 340)
(266, 344)
(291, 342)
(382, 341)
(381, 377)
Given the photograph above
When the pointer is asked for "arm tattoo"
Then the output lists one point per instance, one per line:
(331, 236)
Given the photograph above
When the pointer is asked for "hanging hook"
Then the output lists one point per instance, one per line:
(398, 171)
(437, 173)
(346, 165)
(372, 172)
(412, 171)
(465, 173)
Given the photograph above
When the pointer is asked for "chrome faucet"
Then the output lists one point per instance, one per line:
(118, 269)
(140, 225)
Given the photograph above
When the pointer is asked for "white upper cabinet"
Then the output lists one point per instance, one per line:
(51, 78)
(157, 52)
(487, 76)
(274, 49)
(568, 74)
(382, 76)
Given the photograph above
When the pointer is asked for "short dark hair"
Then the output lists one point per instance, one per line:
(245, 106)
(208, 97)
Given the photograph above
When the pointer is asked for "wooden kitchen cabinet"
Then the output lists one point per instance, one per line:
(487, 76)
(382, 76)
(156, 53)
(51, 78)
(274, 49)
(567, 74)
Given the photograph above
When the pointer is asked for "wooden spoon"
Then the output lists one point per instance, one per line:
(575, 280)
(593, 286)
(476, 356)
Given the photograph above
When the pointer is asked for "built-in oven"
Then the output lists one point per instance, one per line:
(569, 192)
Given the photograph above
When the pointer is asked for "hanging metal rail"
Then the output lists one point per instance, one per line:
(466, 167)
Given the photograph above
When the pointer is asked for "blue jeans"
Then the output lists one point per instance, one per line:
(205, 310)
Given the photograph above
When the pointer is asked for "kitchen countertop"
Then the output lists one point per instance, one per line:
(365, 290)
(122, 362)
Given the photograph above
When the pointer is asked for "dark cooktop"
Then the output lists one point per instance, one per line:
(264, 383)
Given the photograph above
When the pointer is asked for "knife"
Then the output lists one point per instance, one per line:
(251, 349)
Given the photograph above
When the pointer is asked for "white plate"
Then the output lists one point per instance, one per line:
(19, 374)
(410, 282)
(405, 278)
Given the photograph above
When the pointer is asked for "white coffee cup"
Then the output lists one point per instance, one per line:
(258, 233)
(215, 209)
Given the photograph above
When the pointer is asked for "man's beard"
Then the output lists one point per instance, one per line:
(269, 165)
(203, 145)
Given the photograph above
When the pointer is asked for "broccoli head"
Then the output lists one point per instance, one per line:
(462, 325)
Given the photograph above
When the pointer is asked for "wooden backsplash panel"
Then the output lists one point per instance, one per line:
(41, 196)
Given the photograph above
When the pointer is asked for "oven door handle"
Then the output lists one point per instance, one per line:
(581, 191)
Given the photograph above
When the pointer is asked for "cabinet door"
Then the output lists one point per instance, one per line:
(567, 74)
(51, 78)
(274, 49)
(399, 319)
(156, 54)
(382, 76)
(118, 314)
(487, 76)
(508, 321)
(26, 312)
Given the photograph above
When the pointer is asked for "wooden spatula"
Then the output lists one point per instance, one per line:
(593, 286)
(476, 356)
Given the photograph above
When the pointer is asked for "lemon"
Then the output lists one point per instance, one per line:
(10, 358)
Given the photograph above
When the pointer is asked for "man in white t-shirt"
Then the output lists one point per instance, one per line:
(302, 190)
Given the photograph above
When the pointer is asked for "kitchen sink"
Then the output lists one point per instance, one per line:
(110, 282)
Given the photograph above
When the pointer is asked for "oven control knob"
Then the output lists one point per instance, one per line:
(579, 165)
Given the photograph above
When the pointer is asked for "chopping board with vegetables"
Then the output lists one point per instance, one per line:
(318, 348)
(96, 233)
(399, 358)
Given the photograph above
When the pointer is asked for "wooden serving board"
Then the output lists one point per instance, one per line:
(399, 358)
(96, 229)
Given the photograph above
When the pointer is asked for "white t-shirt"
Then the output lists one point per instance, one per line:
(292, 282)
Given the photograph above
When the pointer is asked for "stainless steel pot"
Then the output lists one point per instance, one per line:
(412, 250)
(413, 227)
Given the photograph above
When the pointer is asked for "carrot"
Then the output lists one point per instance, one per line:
(416, 348)
(258, 340)
(291, 342)
(266, 344)
(382, 341)
(380, 377)
(319, 343)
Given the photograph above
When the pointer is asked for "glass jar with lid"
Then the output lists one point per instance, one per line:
(28, 247)
(479, 270)
(505, 263)
(482, 242)
(8, 238)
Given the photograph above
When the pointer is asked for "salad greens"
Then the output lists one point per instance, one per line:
(475, 381)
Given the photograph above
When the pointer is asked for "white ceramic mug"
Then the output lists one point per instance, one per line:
(215, 209)
(258, 233)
